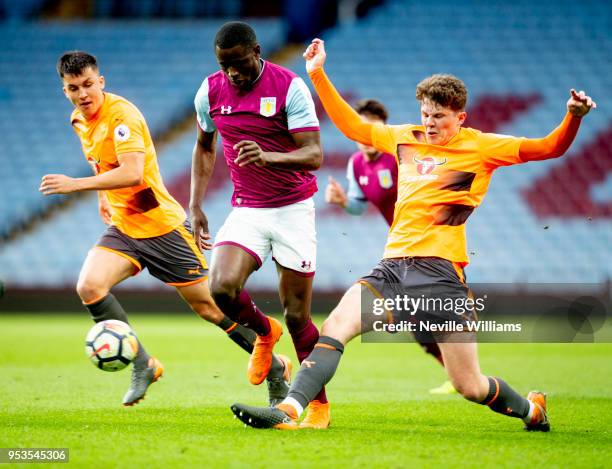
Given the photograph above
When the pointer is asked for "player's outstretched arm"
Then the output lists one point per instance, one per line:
(339, 111)
(202, 165)
(129, 173)
(559, 140)
(579, 104)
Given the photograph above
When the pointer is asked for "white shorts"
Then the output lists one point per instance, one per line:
(288, 232)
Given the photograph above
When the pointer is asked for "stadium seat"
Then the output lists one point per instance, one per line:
(155, 65)
(513, 58)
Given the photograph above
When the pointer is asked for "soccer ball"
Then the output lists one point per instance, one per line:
(111, 345)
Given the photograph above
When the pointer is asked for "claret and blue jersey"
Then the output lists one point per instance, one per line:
(372, 181)
(278, 105)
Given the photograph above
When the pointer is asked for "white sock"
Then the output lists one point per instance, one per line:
(527, 418)
(295, 404)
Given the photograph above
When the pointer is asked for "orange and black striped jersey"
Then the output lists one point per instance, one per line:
(439, 187)
(142, 211)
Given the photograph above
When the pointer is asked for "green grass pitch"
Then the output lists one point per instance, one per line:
(382, 414)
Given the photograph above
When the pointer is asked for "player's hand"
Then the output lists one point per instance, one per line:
(315, 55)
(334, 193)
(199, 225)
(105, 210)
(58, 184)
(579, 103)
(250, 153)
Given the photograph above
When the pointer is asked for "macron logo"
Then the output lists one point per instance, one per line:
(226, 109)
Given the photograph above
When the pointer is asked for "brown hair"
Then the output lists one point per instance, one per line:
(75, 62)
(445, 90)
(373, 107)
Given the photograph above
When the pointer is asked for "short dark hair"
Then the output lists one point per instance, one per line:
(75, 62)
(445, 90)
(235, 33)
(373, 107)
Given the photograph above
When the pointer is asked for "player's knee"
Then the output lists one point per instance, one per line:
(89, 290)
(295, 319)
(469, 389)
(224, 291)
(332, 327)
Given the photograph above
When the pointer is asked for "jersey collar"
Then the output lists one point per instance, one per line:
(263, 66)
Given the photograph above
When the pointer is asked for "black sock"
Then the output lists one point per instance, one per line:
(317, 369)
(245, 338)
(109, 308)
(505, 400)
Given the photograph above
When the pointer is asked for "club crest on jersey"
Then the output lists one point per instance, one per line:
(267, 106)
(122, 133)
(385, 179)
(427, 164)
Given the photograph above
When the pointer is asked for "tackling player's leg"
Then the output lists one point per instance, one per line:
(461, 363)
(317, 369)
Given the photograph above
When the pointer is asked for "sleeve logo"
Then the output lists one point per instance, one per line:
(267, 106)
(122, 133)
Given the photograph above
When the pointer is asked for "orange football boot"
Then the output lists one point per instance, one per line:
(539, 419)
(291, 413)
(317, 416)
(261, 358)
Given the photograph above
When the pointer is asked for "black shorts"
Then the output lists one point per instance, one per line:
(420, 290)
(173, 258)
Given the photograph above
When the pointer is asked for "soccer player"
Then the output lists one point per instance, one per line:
(266, 118)
(371, 174)
(148, 228)
(372, 177)
(444, 174)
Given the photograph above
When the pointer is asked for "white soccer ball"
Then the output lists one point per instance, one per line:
(111, 345)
